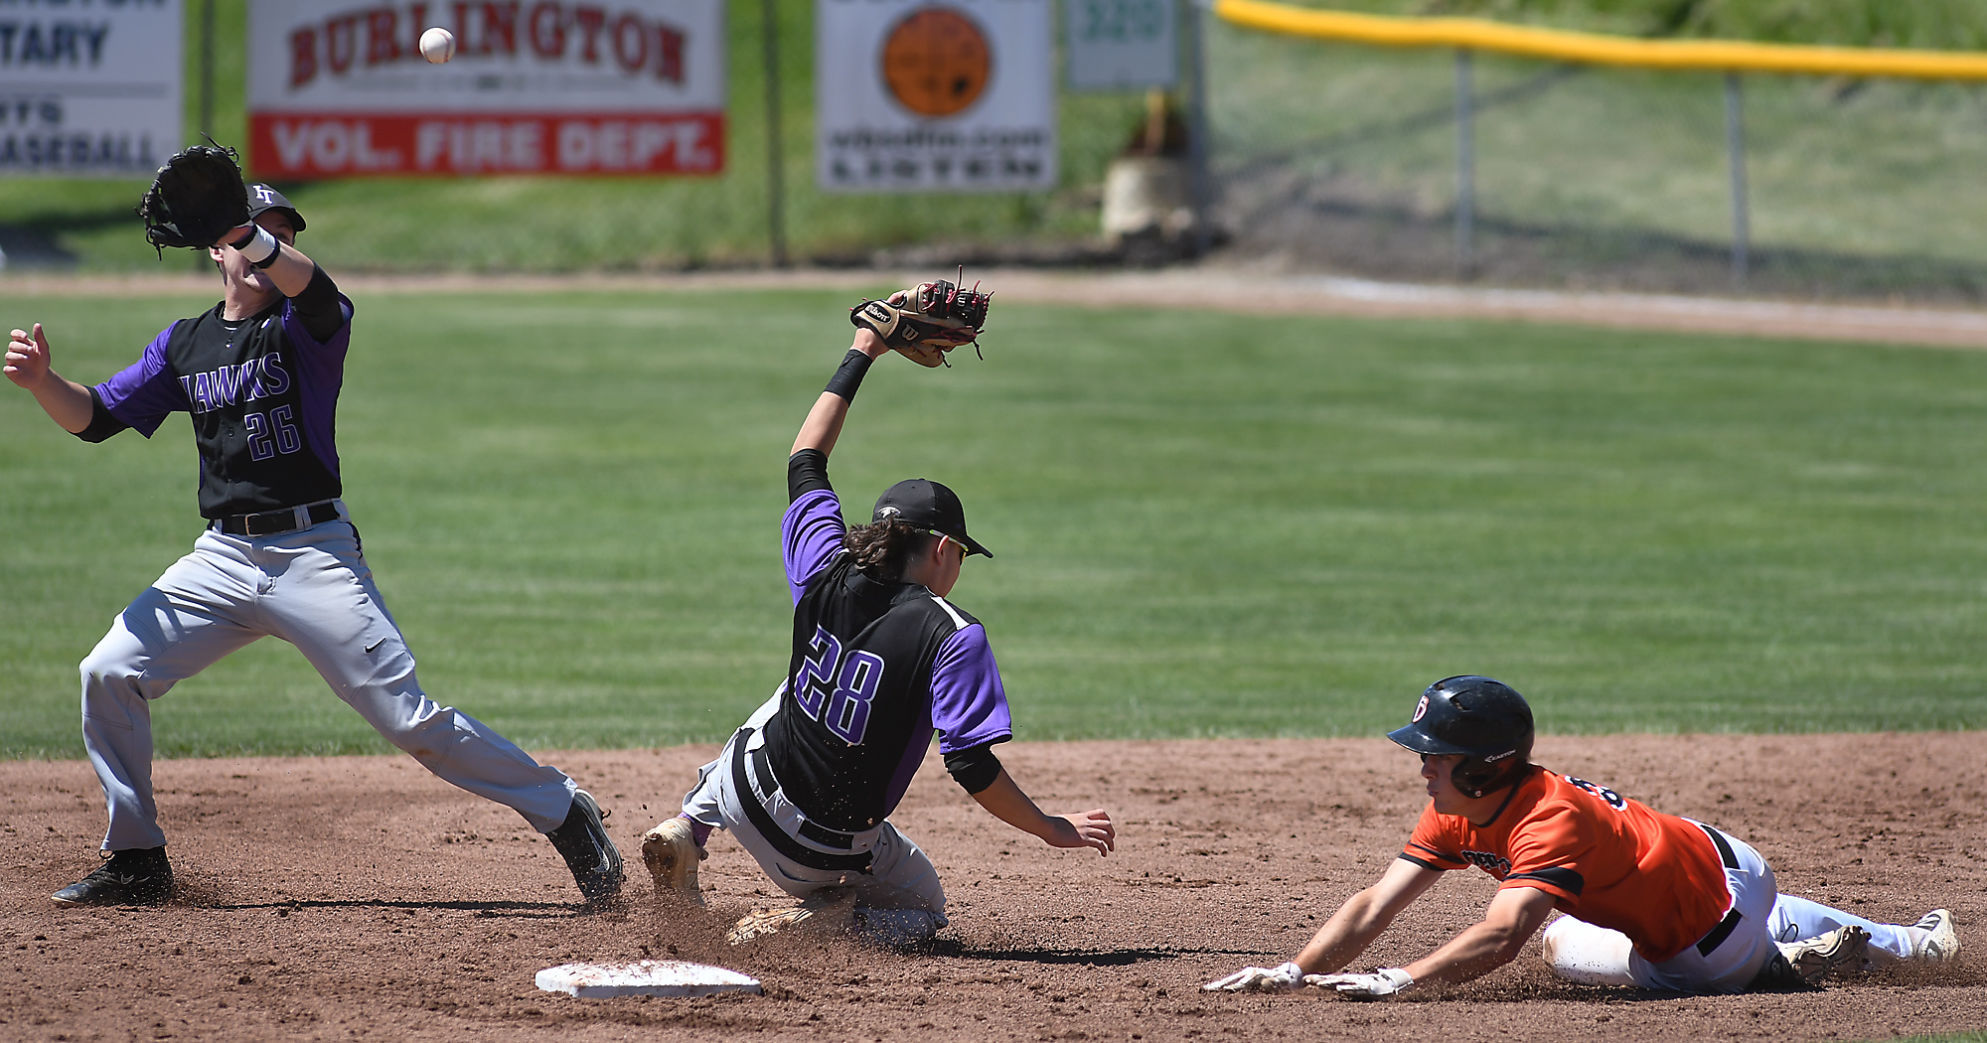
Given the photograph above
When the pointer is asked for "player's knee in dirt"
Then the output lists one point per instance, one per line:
(897, 928)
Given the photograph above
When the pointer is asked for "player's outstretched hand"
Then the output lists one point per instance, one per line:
(1373, 986)
(1281, 978)
(1092, 829)
(27, 357)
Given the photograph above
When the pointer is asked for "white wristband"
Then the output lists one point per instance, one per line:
(261, 249)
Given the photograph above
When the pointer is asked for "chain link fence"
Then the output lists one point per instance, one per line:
(1435, 165)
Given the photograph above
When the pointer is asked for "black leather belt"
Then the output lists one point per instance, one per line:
(271, 523)
(762, 766)
(1730, 923)
(762, 821)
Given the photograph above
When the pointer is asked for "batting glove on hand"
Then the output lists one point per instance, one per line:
(1281, 978)
(1378, 985)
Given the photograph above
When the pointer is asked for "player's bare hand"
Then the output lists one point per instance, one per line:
(1092, 829)
(27, 357)
(868, 343)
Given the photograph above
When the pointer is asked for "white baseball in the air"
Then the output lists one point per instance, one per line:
(437, 45)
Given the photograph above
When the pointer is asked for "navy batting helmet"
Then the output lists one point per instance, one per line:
(1485, 721)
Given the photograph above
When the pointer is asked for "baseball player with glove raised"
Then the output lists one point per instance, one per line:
(879, 660)
(259, 375)
(1649, 899)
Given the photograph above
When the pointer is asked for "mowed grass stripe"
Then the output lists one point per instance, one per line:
(1204, 524)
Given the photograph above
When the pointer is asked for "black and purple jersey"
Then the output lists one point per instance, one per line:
(262, 393)
(875, 668)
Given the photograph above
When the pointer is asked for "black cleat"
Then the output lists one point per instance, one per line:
(135, 876)
(582, 841)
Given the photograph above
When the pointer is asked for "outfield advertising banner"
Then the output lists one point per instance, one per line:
(338, 88)
(89, 88)
(915, 96)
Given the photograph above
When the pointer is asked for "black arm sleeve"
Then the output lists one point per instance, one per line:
(102, 424)
(848, 377)
(974, 768)
(807, 471)
(318, 308)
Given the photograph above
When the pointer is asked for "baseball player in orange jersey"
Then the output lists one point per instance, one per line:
(1649, 899)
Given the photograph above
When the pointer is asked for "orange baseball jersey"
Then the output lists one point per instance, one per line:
(1610, 861)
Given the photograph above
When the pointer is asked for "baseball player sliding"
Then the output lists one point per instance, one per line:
(879, 660)
(259, 374)
(1649, 899)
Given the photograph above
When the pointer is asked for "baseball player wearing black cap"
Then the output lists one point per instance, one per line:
(880, 659)
(259, 374)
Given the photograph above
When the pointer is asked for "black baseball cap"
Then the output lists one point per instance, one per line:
(265, 197)
(929, 506)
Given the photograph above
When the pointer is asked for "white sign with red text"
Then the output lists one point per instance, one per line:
(89, 89)
(338, 88)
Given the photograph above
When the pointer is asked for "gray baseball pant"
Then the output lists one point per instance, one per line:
(313, 589)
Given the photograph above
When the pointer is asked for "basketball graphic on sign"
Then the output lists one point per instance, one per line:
(936, 62)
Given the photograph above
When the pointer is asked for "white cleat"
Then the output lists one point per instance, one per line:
(1941, 942)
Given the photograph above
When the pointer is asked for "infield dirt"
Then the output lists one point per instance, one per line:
(359, 897)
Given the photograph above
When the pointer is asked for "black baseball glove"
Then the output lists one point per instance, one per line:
(927, 320)
(194, 199)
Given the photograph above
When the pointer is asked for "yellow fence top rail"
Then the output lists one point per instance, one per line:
(1593, 48)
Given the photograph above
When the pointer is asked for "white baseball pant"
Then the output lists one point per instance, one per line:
(313, 589)
(1580, 951)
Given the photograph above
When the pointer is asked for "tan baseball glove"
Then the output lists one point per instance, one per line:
(828, 912)
(928, 320)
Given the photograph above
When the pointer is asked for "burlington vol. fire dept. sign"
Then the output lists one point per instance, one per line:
(338, 88)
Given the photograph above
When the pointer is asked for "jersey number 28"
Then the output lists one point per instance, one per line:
(836, 689)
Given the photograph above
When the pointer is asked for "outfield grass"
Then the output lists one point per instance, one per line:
(1204, 525)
